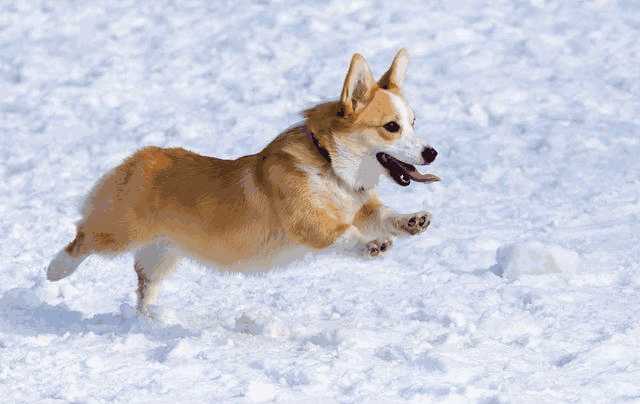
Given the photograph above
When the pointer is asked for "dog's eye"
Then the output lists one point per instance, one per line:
(413, 123)
(392, 126)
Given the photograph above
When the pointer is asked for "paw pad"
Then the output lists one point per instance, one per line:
(377, 247)
(418, 223)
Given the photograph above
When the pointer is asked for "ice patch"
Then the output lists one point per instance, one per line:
(534, 258)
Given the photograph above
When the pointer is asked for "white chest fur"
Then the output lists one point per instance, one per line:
(327, 190)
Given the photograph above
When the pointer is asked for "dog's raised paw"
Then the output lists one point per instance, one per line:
(378, 247)
(416, 223)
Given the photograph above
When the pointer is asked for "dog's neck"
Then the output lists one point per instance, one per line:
(321, 149)
(360, 172)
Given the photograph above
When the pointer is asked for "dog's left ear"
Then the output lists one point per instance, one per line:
(358, 86)
(394, 77)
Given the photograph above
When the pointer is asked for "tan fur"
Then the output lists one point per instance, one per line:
(248, 210)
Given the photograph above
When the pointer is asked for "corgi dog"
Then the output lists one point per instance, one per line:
(312, 187)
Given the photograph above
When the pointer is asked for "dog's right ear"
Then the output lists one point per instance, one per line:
(394, 77)
(358, 86)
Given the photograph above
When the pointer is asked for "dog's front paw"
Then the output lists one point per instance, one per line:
(415, 223)
(378, 247)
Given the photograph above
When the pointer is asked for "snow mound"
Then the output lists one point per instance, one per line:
(259, 392)
(260, 323)
(534, 258)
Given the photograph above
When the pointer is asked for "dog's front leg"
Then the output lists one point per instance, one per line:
(379, 221)
(319, 229)
(408, 224)
(371, 220)
(354, 239)
(322, 232)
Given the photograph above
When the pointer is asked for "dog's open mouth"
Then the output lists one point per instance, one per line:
(402, 172)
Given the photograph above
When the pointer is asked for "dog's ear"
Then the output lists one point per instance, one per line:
(358, 86)
(394, 77)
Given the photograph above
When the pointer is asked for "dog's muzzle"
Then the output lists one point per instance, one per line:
(402, 173)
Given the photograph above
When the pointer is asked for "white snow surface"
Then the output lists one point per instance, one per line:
(516, 260)
(534, 107)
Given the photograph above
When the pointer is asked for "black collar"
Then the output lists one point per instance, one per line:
(323, 151)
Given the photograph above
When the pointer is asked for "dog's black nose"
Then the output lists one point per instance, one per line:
(429, 154)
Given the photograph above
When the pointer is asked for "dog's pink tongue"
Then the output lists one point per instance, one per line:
(419, 177)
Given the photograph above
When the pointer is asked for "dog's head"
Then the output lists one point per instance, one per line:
(373, 128)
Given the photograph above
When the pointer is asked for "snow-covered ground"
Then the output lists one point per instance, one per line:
(525, 289)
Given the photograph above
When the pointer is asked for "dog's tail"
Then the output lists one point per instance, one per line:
(62, 265)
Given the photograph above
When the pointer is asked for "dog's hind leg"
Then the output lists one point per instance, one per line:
(91, 238)
(116, 218)
(153, 263)
(68, 259)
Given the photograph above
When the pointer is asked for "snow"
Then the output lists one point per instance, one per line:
(533, 107)
(534, 258)
(259, 392)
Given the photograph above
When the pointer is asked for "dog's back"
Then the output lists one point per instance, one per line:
(217, 210)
